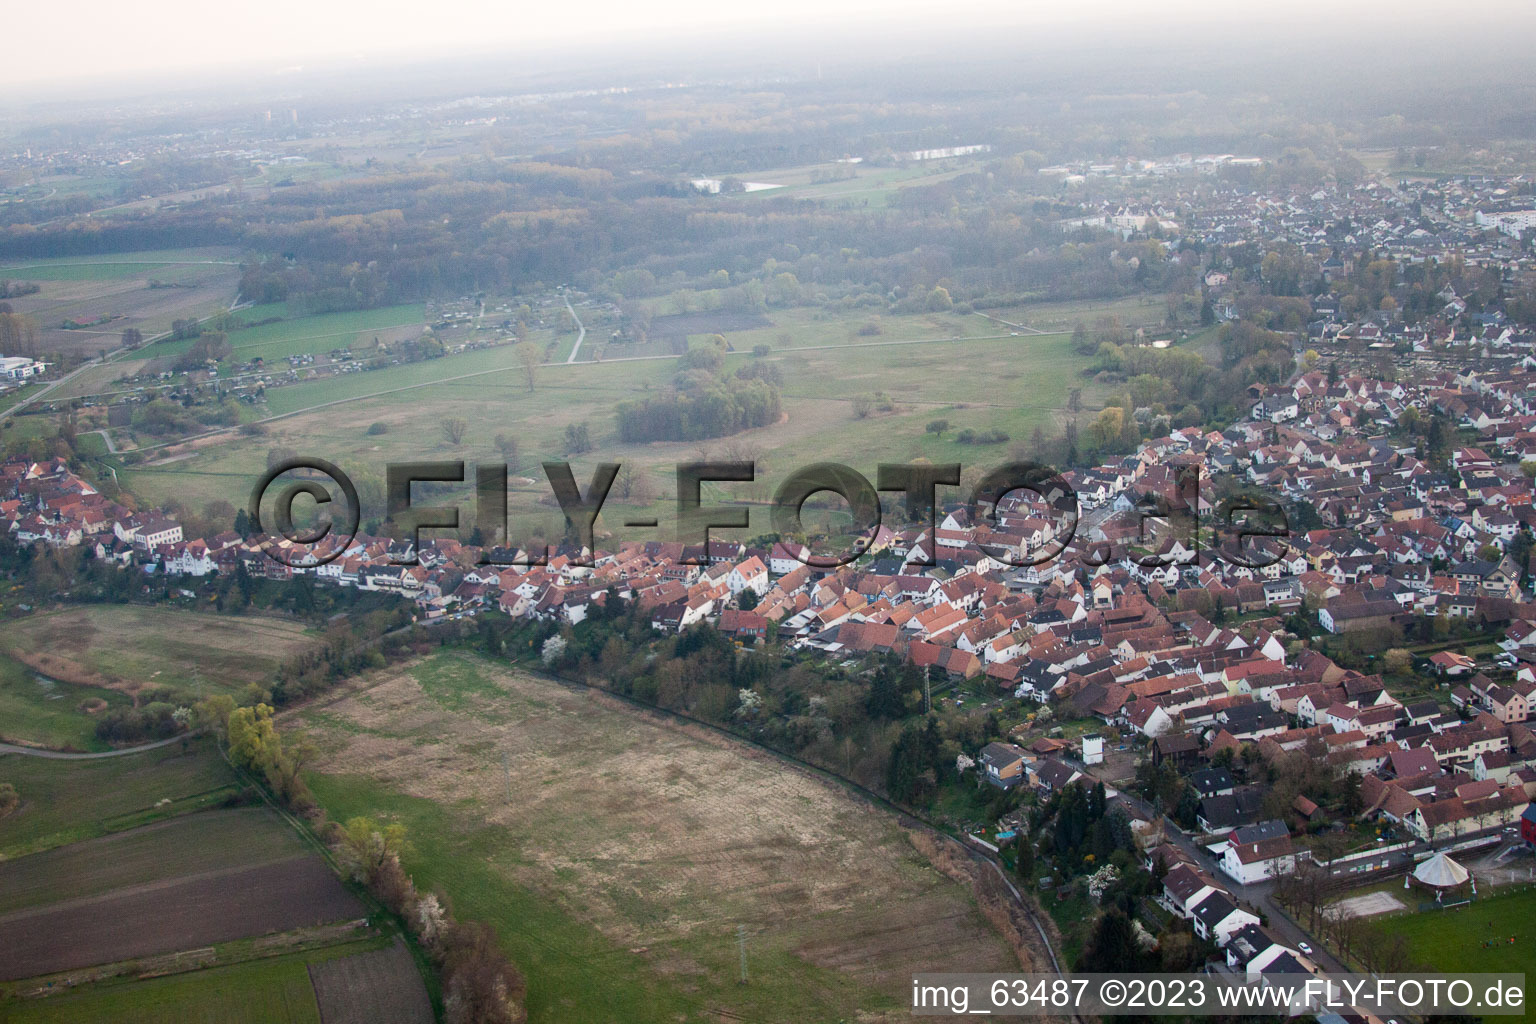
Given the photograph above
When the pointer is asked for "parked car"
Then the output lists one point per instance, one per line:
(1304, 948)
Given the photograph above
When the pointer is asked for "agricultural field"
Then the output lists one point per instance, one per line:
(370, 987)
(174, 912)
(363, 980)
(259, 992)
(127, 648)
(309, 335)
(827, 365)
(189, 844)
(146, 290)
(126, 894)
(617, 853)
(67, 801)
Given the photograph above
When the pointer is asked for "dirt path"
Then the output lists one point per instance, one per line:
(59, 755)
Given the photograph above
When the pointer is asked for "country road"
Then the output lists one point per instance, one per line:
(49, 387)
(59, 755)
(103, 359)
(581, 330)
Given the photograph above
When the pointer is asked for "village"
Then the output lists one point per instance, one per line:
(1184, 657)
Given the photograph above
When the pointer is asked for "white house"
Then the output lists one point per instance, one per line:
(787, 557)
(1254, 861)
(1217, 917)
(155, 532)
(20, 367)
(751, 575)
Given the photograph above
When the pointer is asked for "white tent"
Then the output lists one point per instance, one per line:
(1441, 872)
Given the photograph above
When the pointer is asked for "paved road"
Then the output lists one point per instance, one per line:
(48, 389)
(1009, 323)
(1258, 895)
(581, 330)
(102, 359)
(59, 755)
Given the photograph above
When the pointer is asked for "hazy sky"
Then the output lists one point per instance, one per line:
(74, 43)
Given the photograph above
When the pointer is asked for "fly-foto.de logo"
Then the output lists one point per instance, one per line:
(1223, 530)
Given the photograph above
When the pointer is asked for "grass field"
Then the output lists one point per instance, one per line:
(304, 334)
(632, 849)
(37, 711)
(261, 992)
(370, 975)
(866, 186)
(127, 648)
(1452, 940)
(68, 801)
(994, 382)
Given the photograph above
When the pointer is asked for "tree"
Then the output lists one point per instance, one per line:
(253, 739)
(937, 427)
(454, 429)
(529, 357)
(747, 599)
(367, 846)
(508, 446)
(633, 485)
(904, 772)
(1310, 359)
(553, 650)
(1398, 660)
(480, 986)
(1112, 948)
(18, 334)
(1109, 426)
(213, 713)
(578, 439)
(884, 700)
(9, 798)
(939, 300)
(430, 919)
(1081, 343)
(1024, 859)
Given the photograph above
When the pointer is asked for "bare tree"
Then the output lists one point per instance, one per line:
(507, 445)
(454, 429)
(624, 483)
(530, 357)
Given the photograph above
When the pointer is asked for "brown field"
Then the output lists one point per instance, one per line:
(381, 986)
(174, 914)
(190, 844)
(124, 647)
(201, 290)
(654, 833)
